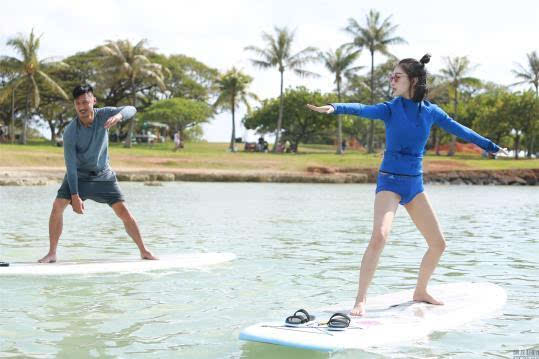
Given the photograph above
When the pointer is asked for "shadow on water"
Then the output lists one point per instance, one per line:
(269, 351)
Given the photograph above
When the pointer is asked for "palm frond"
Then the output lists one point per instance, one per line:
(305, 73)
(261, 64)
(53, 85)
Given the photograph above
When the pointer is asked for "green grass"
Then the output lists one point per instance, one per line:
(208, 156)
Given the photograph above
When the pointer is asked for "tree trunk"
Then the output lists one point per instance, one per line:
(531, 149)
(12, 126)
(453, 144)
(131, 124)
(53, 130)
(371, 124)
(517, 145)
(435, 141)
(280, 119)
(25, 121)
(339, 121)
(233, 138)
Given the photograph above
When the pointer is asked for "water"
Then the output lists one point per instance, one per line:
(298, 245)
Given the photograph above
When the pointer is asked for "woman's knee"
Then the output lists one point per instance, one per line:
(438, 245)
(379, 238)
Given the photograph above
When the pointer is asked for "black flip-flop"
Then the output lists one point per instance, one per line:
(299, 318)
(339, 321)
(4, 264)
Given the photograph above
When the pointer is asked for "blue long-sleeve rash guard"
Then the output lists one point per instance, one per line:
(86, 148)
(408, 126)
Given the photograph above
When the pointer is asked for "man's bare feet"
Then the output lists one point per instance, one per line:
(147, 255)
(359, 309)
(49, 258)
(426, 297)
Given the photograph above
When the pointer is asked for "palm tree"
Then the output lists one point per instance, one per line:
(340, 63)
(232, 93)
(278, 53)
(29, 73)
(125, 62)
(376, 36)
(531, 74)
(439, 93)
(455, 73)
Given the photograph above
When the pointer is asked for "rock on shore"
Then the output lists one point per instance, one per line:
(518, 177)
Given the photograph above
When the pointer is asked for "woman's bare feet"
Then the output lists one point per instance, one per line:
(359, 309)
(147, 255)
(426, 297)
(49, 258)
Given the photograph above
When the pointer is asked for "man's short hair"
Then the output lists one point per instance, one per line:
(81, 90)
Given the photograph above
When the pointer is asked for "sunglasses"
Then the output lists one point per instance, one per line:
(395, 77)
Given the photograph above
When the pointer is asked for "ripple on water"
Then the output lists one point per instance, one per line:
(297, 246)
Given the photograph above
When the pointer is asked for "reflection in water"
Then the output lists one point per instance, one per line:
(298, 246)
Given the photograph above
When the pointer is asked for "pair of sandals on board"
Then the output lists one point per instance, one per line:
(301, 318)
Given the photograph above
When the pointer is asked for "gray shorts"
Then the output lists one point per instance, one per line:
(100, 191)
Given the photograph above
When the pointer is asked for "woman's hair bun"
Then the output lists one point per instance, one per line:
(425, 59)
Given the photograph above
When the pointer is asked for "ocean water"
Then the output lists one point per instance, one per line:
(297, 246)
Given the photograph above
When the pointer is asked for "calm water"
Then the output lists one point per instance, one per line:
(297, 246)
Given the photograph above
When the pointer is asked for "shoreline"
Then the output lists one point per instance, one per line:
(39, 176)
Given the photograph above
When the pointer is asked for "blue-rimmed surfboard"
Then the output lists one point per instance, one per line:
(391, 319)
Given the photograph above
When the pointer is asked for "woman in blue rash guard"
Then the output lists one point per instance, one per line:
(408, 119)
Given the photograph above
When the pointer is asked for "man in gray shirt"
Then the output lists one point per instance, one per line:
(89, 175)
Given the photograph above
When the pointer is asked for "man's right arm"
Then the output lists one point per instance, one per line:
(70, 157)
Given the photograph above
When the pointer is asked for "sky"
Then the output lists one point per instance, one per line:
(494, 37)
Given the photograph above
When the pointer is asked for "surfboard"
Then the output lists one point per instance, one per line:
(128, 265)
(390, 319)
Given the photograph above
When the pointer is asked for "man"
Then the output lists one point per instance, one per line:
(89, 175)
(177, 141)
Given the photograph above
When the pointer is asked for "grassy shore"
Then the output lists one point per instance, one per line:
(215, 156)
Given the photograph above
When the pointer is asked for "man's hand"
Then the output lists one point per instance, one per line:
(502, 151)
(77, 204)
(321, 109)
(113, 120)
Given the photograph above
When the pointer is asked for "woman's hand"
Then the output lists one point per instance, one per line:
(321, 109)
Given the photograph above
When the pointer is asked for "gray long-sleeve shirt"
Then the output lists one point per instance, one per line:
(86, 148)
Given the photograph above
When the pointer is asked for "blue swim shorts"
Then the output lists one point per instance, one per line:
(407, 187)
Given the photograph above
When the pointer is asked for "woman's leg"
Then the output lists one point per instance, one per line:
(385, 206)
(425, 220)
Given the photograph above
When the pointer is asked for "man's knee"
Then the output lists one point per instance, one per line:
(59, 205)
(121, 211)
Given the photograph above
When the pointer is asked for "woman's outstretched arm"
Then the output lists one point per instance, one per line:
(443, 120)
(379, 111)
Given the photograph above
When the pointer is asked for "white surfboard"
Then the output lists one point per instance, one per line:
(132, 265)
(390, 319)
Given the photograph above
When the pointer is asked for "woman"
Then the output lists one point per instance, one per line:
(408, 119)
